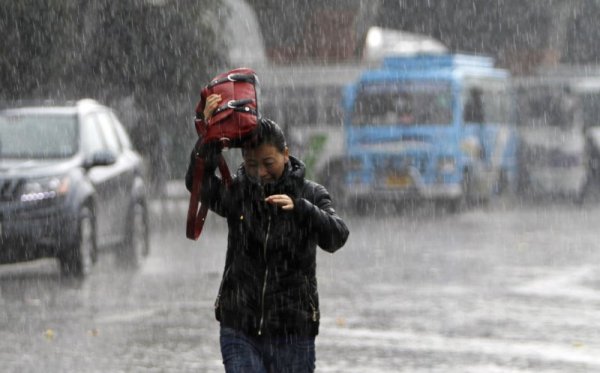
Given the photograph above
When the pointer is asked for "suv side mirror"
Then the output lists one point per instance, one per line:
(100, 158)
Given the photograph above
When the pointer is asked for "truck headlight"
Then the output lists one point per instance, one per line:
(355, 164)
(446, 165)
(43, 189)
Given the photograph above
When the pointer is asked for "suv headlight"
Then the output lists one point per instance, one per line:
(43, 189)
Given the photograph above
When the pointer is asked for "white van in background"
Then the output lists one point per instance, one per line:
(553, 156)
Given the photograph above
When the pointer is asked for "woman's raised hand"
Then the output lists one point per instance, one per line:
(212, 102)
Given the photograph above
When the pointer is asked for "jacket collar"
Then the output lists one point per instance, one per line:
(293, 175)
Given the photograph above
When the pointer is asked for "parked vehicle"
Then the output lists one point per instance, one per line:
(437, 127)
(70, 185)
(587, 91)
(553, 155)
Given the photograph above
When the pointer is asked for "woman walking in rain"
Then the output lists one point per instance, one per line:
(268, 304)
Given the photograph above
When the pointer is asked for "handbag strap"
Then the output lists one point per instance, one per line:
(236, 105)
(197, 216)
(248, 78)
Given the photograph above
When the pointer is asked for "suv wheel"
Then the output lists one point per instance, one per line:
(137, 244)
(79, 258)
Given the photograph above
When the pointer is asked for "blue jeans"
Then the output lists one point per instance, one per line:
(248, 354)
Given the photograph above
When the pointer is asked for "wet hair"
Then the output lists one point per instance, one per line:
(267, 132)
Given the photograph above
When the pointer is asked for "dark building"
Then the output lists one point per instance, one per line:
(520, 34)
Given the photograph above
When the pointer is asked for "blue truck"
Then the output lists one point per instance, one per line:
(426, 127)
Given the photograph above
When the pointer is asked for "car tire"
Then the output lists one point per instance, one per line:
(136, 246)
(78, 259)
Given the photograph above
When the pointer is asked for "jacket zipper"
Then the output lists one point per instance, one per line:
(315, 315)
(264, 288)
(315, 312)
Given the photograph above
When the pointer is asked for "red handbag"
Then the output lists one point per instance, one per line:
(237, 114)
(230, 124)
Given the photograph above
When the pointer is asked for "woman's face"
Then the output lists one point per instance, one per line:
(265, 162)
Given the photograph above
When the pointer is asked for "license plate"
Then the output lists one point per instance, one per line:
(398, 181)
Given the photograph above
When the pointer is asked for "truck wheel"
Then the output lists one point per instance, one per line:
(77, 260)
(136, 246)
(502, 184)
(333, 180)
(588, 193)
(454, 205)
(466, 199)
(363, 207)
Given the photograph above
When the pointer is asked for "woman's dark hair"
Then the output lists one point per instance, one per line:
(267, 132)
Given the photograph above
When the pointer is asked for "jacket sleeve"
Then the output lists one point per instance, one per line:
(213, 190)
(317, 213)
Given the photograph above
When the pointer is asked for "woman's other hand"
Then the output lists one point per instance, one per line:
(282, 200)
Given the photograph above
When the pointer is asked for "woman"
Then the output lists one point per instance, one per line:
(268, 303)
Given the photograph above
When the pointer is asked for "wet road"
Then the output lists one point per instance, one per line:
(504, 288)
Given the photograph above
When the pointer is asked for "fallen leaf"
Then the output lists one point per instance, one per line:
(49, 334)
(93, 332)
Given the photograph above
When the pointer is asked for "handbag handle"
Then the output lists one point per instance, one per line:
(197, 216)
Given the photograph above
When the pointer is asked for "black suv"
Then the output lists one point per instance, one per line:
(70, 184)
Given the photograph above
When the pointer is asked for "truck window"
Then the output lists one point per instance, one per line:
(544, 106)
(590, 109)
(486, 100)
(473, 111)
(403, 103)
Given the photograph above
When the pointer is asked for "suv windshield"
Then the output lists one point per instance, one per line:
(403, 103)
(38, 135)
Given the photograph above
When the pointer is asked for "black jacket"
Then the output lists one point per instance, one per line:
(269, 284)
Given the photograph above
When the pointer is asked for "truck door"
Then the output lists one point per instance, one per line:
(487, 117)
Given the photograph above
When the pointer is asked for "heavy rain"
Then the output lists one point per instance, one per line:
(459, 141)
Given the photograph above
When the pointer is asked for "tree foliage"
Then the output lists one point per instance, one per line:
(94, 47)
(31, 31)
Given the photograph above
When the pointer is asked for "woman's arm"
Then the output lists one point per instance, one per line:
(213, 190)
(320, 216)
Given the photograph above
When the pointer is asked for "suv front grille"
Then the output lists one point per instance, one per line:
(9, 189)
